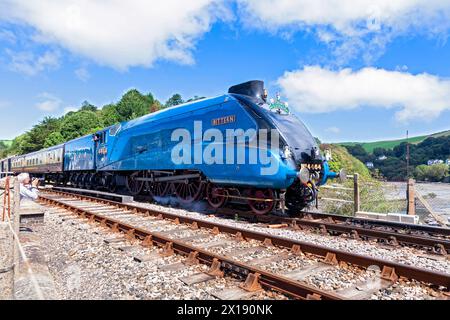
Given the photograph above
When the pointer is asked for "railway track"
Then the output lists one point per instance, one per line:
(434, 240)
(251, 255)
(431, 239)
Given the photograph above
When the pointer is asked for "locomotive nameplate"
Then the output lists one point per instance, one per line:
(223, 120)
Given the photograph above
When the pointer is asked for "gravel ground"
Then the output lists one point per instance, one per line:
(131, 280)
(405, 255)
(85, 267)
(405, 291)
(337, 278)
(5, 261)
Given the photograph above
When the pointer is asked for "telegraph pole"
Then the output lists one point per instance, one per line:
(407, 155)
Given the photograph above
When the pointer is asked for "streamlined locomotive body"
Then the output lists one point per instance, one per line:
(235, 147)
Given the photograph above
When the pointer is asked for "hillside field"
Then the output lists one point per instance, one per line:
(390, 144)
(6, 142)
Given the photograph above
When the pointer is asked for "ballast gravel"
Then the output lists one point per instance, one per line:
(85, 267)
(404, 255)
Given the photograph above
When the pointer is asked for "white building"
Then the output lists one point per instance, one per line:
(436, 161)
(369, 165)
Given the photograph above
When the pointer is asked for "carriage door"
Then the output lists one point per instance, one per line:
(101, 147)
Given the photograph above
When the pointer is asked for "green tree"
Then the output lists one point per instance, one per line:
(79, 123)
(34, 139)
(54, 139)
(174, 100)
(378, 152)
(110, 115)
(421, 172)
(86, 106)
(435, 172)
(134, 104)
(156, 106)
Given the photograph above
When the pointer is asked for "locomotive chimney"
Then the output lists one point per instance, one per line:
(254, 89)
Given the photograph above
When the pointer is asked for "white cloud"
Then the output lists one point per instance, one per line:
(119, 33)
(70, 109)
(49, 102)
(83, 74)
(30, 64)
(316, 90)
(350, 27)
(334, 130)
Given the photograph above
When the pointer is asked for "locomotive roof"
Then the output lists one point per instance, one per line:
(177, 110)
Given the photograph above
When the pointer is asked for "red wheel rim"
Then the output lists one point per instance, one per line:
(215, 196)
(188, 191)
(263, 206)
(158, 189)
(135, 186)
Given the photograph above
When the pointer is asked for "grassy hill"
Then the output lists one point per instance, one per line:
(390, 144)
(344, 160)
(6, 143)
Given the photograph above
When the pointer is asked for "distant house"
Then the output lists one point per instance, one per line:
(383, 157)
(369, 165)
(447, 162)
(436, 161)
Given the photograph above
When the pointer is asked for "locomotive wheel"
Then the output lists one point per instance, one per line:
(188, 191)
(61, 180)
(157, 189)
(262, 206)
(111, 183)
(84, 180)
(135, 186)
(92, 179)
(216, 196)
(79, 181)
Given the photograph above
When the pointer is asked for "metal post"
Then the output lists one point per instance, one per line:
(356, 199)
(16, 226)
(411, 208)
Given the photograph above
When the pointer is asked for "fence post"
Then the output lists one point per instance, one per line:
(16, 225)
(411, 208)
(356, 199)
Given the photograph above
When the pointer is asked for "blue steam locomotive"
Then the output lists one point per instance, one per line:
(236, 147)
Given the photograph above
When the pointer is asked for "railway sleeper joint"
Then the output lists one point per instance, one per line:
(192, 259)
(148, 241)
(252, 283)
(389, 274)
(331, 259)
(296, 249)
(215, 269)
(131, 235)
(268, 242)
(167, 250)
(313, 296)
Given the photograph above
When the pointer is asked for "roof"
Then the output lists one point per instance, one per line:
(176, 110)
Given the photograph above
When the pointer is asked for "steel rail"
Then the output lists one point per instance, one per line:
(427, 276)
(407, 239)
(366, 230)
(396, 225)
(266, 279)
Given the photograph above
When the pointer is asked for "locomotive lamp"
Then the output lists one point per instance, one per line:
(304, 175)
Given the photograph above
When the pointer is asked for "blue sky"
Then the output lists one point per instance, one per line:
(368, 75)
